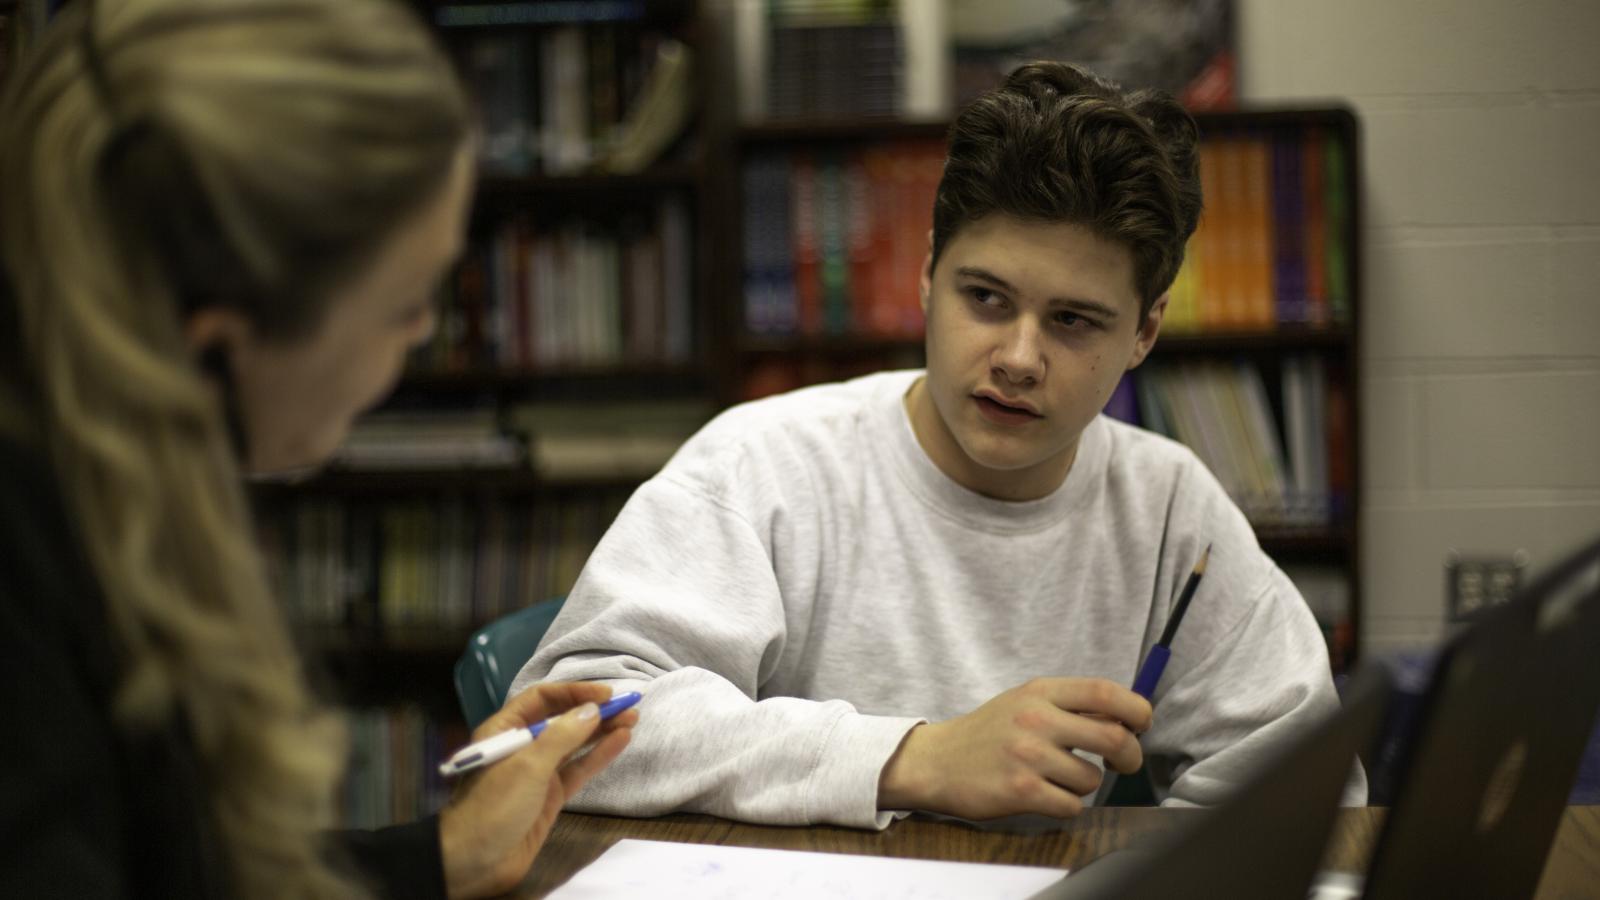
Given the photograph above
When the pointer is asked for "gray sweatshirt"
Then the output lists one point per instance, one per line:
(801, 585)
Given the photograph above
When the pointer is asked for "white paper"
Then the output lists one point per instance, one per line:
(664, 870)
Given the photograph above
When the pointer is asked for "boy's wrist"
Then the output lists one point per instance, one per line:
(904, 783)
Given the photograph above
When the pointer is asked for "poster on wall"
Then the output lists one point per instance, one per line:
(1185, 47)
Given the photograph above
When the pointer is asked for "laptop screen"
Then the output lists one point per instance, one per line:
(1483, 778)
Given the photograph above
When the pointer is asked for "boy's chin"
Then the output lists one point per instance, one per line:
(1004, 456)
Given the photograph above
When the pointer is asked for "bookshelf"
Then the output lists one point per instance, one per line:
(386, 569)
(362, 614)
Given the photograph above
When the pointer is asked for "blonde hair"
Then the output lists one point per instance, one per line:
(163, 155)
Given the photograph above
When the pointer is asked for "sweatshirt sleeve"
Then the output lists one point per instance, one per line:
(680, 602)
(1266, 681)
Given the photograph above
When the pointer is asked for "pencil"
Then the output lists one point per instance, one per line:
(1171, 630)
(1156, 662)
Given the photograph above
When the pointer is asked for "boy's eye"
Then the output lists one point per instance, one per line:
(983, 296)
(1073, 320)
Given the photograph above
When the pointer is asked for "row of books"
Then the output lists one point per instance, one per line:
(828, 69)
(810, 59)
(561, 442)
(834, 242)
(401, 570)
(573, 97)
(577, 293)
(393, 775)
(1326, 590)
(437, 439)
(1271, 248)
(1278, 446)
(776, 373)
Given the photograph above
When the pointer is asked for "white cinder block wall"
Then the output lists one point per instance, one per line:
(1481, 357)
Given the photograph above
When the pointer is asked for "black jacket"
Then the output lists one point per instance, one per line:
(85, 810)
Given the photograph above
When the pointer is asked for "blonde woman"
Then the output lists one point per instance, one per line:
(221, 222)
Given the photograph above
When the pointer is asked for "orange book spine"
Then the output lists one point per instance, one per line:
(1211, 291)
(1259, 308)
(1316, 228)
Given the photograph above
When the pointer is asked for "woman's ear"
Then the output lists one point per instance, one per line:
(213, 329)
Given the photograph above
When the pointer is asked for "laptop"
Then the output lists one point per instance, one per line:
(1268, 839)
(1483, 778)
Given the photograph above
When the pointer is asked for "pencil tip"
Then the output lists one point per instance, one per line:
(1200, 567)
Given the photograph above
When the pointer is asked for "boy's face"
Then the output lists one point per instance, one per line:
(1029, 328)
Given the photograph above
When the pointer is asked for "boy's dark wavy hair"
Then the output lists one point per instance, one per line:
(1056, 143)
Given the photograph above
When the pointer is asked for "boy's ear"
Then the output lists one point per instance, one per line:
(1149, 328)
(925, 279)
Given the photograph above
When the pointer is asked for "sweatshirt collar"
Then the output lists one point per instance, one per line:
(936, 489)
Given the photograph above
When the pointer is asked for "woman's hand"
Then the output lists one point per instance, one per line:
(499, 817)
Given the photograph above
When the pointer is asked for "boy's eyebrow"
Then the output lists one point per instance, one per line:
(1093, 306)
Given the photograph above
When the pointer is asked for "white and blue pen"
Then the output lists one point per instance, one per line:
(488, 750)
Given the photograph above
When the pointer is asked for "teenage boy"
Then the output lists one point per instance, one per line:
(927, 590)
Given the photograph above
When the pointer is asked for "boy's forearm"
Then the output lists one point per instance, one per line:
(703, 746)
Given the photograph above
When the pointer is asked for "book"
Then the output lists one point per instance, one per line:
(1336, 206)
(499, 71)
(1255, 235)
(1289, 225)
(1264, 436)
(1212, 285)
(810, 59)
(804, 241)
(677, 272)
(1337, 450)
(565, 122)
(928, 84)
(1251, 490)
(833, 229)
(1304, 386)
(1314, 197)
(659, 115)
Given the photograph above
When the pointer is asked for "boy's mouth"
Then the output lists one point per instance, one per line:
(1004, 411)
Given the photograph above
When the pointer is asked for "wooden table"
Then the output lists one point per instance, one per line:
(1573, 870)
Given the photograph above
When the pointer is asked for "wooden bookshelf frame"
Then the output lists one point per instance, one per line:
(487, 483)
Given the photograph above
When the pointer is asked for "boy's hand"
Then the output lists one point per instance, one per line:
(1013, 754)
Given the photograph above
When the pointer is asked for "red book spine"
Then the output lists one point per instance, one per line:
(803, 235)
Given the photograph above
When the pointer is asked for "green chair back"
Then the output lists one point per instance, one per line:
(495, 654)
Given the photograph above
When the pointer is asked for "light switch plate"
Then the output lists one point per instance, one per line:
(1474, 582)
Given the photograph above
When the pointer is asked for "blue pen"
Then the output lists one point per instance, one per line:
(488, 750)
(1156, 662)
